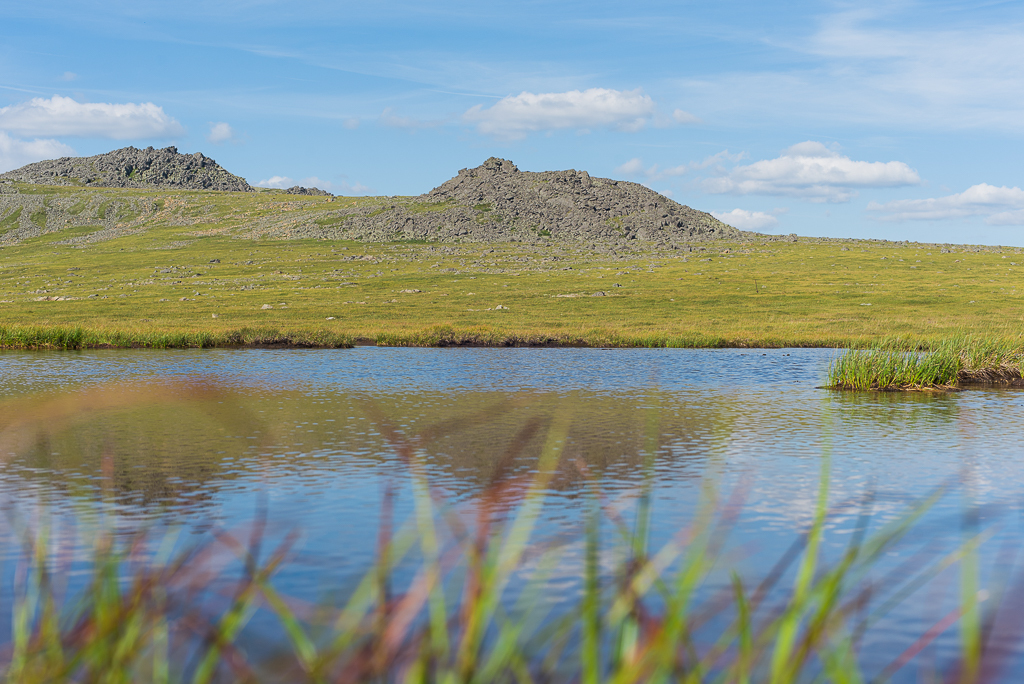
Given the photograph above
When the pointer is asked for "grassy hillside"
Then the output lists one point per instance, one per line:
(127, 265)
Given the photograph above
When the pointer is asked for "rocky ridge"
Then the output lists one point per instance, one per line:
(299, 190)
(130, 167)
(496, 202)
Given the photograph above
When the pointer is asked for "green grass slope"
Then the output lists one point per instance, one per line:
(124, 267)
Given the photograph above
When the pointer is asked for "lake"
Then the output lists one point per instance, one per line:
(318, 440)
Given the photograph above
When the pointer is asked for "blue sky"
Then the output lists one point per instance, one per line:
(896, 120)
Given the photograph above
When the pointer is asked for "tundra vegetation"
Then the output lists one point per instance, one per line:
(125, 267)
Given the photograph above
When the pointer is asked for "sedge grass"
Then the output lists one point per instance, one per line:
(79, 337)
(898, 365)
(478, 605)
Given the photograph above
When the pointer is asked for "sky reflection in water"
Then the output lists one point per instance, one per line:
(197, 436)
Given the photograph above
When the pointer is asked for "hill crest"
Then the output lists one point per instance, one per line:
(130, 167)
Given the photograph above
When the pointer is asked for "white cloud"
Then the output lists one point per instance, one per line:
(812, 171)
(746, 220)
(516, 115)
(635, 167)
(1001, 205)
(65, 116)
(351, 123)
(684, 117)
(220, 132)
(1006, 218)
(716, 160)
(280, 182)
(68, 76)
(15, 153)
(340, 188)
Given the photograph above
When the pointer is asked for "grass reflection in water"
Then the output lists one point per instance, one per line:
(481, 602)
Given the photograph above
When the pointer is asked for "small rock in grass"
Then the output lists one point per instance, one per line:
(266, 306)
(409, 291)
(599, 294)
(501, 307)
(213, 315)
(330, 318)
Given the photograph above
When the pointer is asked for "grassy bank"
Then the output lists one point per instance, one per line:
(953, 363)
(198, 266)
(78, 337)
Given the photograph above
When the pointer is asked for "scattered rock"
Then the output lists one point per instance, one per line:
(330, 318)
(409, 291)
(266, 306)
(599, 294)
(499, 306)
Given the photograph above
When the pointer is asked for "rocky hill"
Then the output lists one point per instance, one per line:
(497, 202)
(130, 167)
(494, 202)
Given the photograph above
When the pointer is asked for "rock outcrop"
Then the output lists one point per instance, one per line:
(130, 167)
(497, 202)
(299, 190)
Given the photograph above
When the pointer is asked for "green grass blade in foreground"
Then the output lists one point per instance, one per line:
(590, 647)
(507, 555)
(784, 666)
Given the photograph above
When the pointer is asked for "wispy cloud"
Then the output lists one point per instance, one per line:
(513, 117)
(882, 69)
(635, 167)
(684, 117)
(1002, 206)
(15, 153)
(812, 171)
(392, 120)
(746, 220)
(63, 116)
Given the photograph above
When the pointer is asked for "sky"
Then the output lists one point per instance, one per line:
(893, 120)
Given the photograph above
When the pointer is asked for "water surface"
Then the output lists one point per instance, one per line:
(205, 438)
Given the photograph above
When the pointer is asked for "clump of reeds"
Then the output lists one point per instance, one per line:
(946, 365)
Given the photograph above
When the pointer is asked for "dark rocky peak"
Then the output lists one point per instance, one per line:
(130, 167)
(498, 165)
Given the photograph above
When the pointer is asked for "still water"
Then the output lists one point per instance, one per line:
(203, 439)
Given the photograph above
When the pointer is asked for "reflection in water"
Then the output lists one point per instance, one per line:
(197, 437)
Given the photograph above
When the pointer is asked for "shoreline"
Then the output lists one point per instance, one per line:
(62, 338)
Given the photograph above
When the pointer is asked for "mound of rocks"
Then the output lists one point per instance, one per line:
(299, 190)
(497, 202)
(130, 167)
